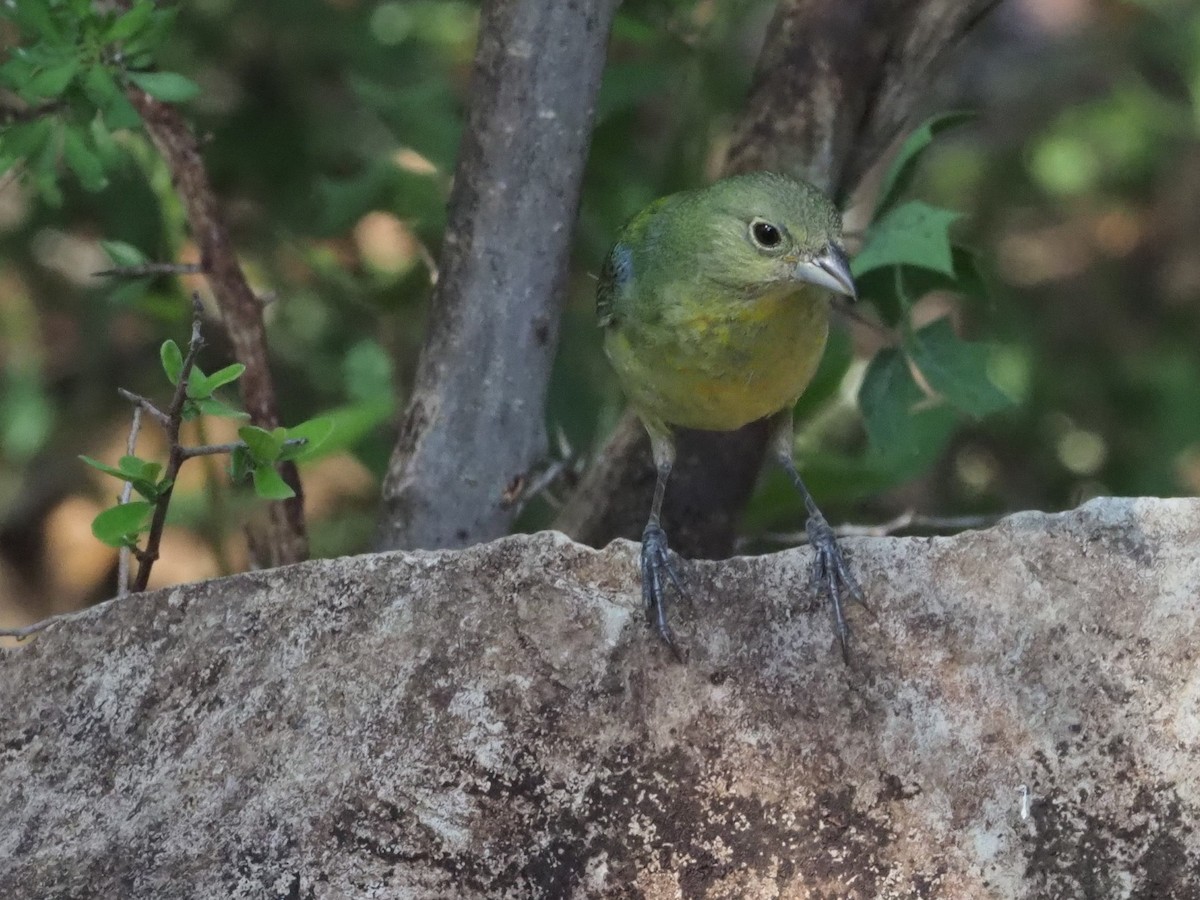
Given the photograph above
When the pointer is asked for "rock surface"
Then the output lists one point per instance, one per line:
(1021, 718)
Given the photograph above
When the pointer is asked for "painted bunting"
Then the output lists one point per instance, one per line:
(715, 308)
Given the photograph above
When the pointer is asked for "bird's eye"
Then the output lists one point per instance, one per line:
(765, 234)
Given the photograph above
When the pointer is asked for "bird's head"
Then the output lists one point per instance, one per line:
(767, 230)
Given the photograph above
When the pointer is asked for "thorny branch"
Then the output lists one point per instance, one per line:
(174, 414)
(126, 493)
(284, 539)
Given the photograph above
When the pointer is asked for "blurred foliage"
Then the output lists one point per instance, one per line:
(330, 128)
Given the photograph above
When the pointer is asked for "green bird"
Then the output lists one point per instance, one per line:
(715, 307)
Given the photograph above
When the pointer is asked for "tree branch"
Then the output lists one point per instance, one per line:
(474, 425)
(284, 539)
(835, 85)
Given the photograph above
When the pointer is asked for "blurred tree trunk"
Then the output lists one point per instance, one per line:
(835, 85)
(474, 426)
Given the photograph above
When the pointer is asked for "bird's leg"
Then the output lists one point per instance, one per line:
(829, 565)
(656, 559)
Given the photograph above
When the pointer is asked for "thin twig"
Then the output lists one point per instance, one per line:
(213, 449)
(146, 270)
(146, 404)
(33, 628)
(567, 467)
(126, 493)
(906, 521)
(174, 414)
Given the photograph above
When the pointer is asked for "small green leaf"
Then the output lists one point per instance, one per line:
(210, 406)
(914, 234)
(166, 86)
(119, 526)
(314, 433)
(36, 20)
(104, 467)
(83, 161)
(46, 182)
(51, 81)
(130, 23)
(197, 385)
(240, 464)
(120, 114)
(136, 467)
(351, 425)
(956, 369)
(367, 369)
(125, 256)
(225, 376)
(906, 428)
(100, 87)
(904, 166)
(172, 360)
(270, 485)
(264, 446)
(25, 141)
(886, 398)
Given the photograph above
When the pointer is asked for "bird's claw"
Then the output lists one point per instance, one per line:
(656, 561)
(830, 569)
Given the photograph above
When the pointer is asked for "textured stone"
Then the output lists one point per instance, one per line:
(498, 722)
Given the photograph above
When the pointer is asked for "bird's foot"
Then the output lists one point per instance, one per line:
(656, 569)
(830, 570)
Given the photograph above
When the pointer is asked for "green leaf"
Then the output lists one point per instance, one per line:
(240, 464)
(314, 433)
(51, 81)
(367, 369)
(270, 485)
(140, 473)
(136, 467)
(166, 86)
(120, 525)
(104, 467)
(956, 369)
(197, 385)
(886, 398)
(130, 23)
(914, 234)
(225, 376)
(264, 446)
(83, 161)
(35, 20)
(172, 360)
(210, 406)
(100, 87)
(124, 256)
(904, 166)
(26, 414)
(46, 182)
(352, 424)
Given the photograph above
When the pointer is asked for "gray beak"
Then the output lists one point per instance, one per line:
(830, 269)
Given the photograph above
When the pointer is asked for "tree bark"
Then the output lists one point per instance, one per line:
(474, 426)
(835, 85)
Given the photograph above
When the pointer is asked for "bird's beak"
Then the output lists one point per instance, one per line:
(830, 269)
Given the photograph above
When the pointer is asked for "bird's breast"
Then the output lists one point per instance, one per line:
(718, 366)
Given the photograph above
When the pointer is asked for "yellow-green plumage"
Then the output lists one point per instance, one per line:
(705, 328)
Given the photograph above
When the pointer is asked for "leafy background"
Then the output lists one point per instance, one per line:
(330, 130)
